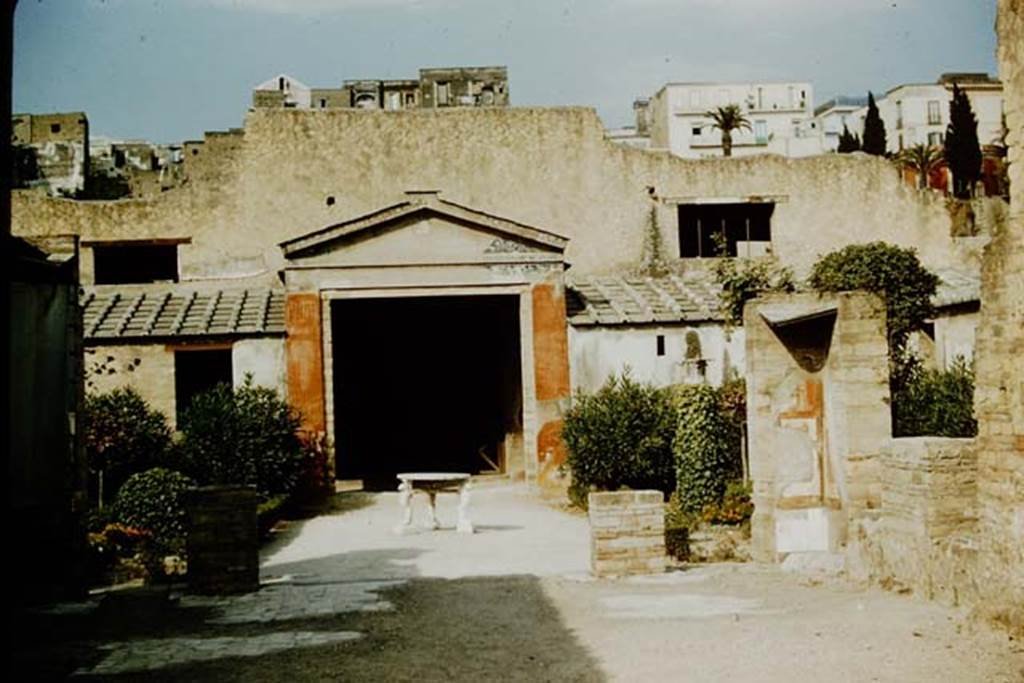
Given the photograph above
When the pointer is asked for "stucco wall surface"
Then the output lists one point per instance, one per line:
(596, 353)
(551, 168)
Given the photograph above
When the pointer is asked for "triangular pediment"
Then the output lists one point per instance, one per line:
(424, 229)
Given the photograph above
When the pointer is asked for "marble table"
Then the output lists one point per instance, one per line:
(432, 483)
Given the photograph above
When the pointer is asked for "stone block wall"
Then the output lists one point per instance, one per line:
(627, 533)
(999, 393)
(923, 537)
(818, 417)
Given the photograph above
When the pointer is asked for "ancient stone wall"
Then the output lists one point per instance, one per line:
(627, 533)
(999, 394)
(818, 417)
(551, 168)
(921, 537)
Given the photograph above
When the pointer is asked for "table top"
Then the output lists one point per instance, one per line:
(433, 476)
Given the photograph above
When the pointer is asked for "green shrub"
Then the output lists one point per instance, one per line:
(893, 273)
(122, 435)
(734, 508)
(706, 445)
(907, 287)
(244, 436)
(935, 402)
(153, 501)
(621, 436)
(743, 279)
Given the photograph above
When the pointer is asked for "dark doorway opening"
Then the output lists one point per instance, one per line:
(424, 384)
(196, 371)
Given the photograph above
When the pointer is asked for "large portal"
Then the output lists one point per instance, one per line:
(424, 383)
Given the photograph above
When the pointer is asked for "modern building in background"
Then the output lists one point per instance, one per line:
(918, 113)
(462, 86)
(830, 117)
(778, 113)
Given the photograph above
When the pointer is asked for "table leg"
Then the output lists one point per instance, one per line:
(434, 523)
(404, 500)
(464, 525)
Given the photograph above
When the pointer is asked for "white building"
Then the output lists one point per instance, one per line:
(830, 117)
(778, 115)
(918, 113)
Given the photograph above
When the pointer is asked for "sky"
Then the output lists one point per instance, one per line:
(167, 70)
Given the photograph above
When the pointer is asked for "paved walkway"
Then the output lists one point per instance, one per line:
(344, 598)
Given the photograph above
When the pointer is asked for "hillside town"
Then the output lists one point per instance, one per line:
(748, 367)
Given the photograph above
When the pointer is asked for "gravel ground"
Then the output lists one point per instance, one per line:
(346, 599)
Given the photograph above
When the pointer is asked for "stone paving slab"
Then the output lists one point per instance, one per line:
(146, 655)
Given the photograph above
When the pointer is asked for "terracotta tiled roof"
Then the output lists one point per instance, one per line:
(626, 300)
(179, 311)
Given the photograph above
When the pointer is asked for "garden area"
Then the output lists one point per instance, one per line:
(142, 472)
(687, 441)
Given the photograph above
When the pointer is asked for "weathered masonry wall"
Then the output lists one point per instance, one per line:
(921, 536)
(818, 417)
(237, 204)
(627, 533)
(149, 369)
(999, 393)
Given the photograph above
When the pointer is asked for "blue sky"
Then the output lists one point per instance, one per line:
(166, 70)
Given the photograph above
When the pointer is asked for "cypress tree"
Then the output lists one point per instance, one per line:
(848, 142)
(963, 153)
(874, 130)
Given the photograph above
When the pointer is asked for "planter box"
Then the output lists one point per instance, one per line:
(222, 541)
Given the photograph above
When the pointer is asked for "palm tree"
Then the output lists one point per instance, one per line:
(727, 119)
(923, 159)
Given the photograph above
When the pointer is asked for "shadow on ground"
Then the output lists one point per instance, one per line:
(480, 628)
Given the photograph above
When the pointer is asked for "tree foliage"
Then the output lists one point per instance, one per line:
(848, 142)
(243, 436)
(122, 435)
(923, 160)
(893, 273)
(743, 279)
(154, 500)
(874, 130)
(727, 119)
(962, 151)
(932, 402)
(620, 436)
(706, 447)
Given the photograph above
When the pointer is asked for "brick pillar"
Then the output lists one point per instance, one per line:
(304, 350)
(551, 378)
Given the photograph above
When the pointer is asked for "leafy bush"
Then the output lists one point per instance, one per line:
(893, 273)
(621, 436)
(707, 447)
(122, 436)
(153, 501)
(743, 279)
(244, 436)
(935, 402)
(907, 287)
(734, 508)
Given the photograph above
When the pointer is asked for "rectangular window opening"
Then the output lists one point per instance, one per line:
(661, 344)
(135, 263)
(197, 371)
(731, 229)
